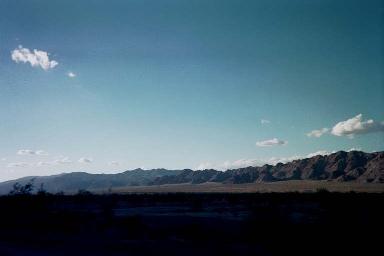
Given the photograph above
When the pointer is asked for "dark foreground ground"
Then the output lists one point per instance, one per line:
(193, 224)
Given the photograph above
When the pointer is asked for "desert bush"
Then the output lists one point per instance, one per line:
(19, 189)
(83, 192)
(322, 190)
(42, 191)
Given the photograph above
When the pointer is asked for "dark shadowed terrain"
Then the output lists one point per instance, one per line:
(320, 223)
(207, 212)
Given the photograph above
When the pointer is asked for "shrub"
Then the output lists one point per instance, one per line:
(19, 189)
(322, 190)
(83, 192)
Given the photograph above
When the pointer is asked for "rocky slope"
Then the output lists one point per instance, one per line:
(340, 166)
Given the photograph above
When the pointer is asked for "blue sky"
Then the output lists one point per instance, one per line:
(185, 84)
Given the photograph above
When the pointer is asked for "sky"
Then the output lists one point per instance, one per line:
(108, 86)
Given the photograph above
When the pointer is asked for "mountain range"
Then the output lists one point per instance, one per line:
(341, 166)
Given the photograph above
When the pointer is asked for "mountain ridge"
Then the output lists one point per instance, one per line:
(340, 166)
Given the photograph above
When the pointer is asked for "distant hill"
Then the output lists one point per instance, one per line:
(340, 166)
(81, 180)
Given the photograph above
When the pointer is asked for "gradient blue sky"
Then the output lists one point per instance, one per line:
(176, 84)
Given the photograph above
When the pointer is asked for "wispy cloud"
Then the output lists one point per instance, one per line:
(41, 153)
(32, 152)
(21, 164)
(64, 160)
(231, 164)
(241, 163)
(356, 125)
(26, 152)
(42, 163)
(36, 58)
(265, 121)
(317, 133)
(114, 163)
(271, 142)
(60, 161)
(85, 160)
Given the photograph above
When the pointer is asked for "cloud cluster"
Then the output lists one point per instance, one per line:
(36, 58)
(60, 160)
(271, 142)
(356, 125)
(31, 152)
(317, 133)
(350, 127)
(241, 163)
(64, 160)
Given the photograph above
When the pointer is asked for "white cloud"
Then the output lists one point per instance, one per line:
(276, 160)
(265, 121)
(36, 58)
(71, 74)
(31, 152)
(241, 163)
(64, 160)
(41, 153)
(206, 165)
(11, 165)
(114, 163)
(325, 152)
(3, 159)
(319, 153)
(354, 149)
(317, 133)
(271, 142)
(356, 125)
(85, 160)
(45, 163)
(25, 152)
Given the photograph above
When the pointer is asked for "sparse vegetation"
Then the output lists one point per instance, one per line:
(19, 189)
(322, 190)
(42, 191)
(83, 192)
(187, 223)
